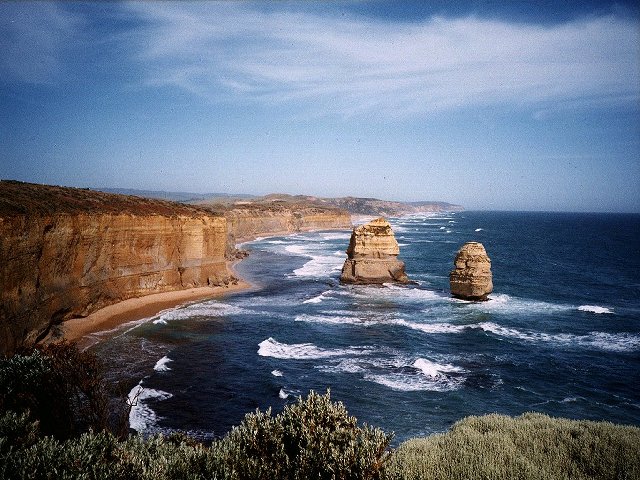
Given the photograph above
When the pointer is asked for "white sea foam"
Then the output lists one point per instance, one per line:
(423, 375)
(276, 373)
(616, 342)
(162, 364)
(319, 266)
(433, 369)
(334, 320)
(212, 308)
(443, 228)
(503, 303)
(141, 416)
(401, 373)
(406, 293)
(336, 236)
(300, 351)
(297, 249)
(282, 394)
(594, 309)
(276, 242)
(431, 327)
(319, 298)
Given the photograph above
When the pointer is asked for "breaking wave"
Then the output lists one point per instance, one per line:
(616, 342)
(141, 416)
(301, 351)
(594, 309)
(162, 364)
(405, 375)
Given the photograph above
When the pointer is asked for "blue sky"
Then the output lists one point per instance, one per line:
(493, 105)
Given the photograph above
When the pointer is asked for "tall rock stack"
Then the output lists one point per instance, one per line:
(373, 255)
(471, 278)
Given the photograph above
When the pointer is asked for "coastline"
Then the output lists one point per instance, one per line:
(112, 316)
(80, 330)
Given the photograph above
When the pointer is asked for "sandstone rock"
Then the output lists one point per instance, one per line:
(67, 252)
(471, 278)
(372, 255)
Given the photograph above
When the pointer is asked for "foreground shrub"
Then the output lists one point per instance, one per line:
(532, 446)
(62, 389)
(313, 438)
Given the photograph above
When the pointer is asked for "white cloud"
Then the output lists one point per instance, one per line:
(358, 66)
(33, 36)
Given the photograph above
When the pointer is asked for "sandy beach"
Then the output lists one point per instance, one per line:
(112, 316)
(108, 318)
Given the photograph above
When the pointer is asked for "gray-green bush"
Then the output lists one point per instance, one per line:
(532, 446)
(314, 438)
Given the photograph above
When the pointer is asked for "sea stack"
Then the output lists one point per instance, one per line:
(373, 255)
(471, 278)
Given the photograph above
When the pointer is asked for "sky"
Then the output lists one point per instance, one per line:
(493, 105)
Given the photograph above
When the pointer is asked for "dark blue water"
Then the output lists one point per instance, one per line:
(559, 335)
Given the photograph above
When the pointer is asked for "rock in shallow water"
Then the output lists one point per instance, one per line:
(372, 255)
(471, 279)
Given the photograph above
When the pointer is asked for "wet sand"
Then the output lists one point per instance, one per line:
(112, 316)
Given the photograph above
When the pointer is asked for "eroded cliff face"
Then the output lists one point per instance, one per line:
(65, 266)
(245, 223)
(66, 252)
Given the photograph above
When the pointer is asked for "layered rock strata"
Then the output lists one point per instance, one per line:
(373, 255)
(65, 253)
(471, 279)
(246, 222)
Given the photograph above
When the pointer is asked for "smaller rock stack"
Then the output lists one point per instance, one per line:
(373, 255)
(471, 278)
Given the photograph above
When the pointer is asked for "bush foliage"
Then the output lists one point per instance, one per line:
(313, 438)
(532, 446)
(62, 388)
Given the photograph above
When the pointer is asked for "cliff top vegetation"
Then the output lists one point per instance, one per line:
(18, 198)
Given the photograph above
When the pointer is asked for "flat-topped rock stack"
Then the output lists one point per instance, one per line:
(373, 255)
(471, 279)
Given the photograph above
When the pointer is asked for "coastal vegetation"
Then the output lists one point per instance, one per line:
(57, 420)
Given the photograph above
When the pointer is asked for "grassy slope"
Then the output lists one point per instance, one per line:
(531, 446)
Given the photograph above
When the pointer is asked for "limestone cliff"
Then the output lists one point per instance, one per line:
(66, 252)
(372, 255)
(471, 279)
(248, 220)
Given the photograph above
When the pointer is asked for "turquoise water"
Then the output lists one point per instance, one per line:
(559, 335)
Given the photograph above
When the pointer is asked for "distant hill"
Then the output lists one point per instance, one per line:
(184, 197)
(354, 205)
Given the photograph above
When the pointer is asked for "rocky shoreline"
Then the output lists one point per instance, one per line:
(67, 253)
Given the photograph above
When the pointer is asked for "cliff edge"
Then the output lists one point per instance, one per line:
(67, 252)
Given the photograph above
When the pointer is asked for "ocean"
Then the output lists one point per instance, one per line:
(560, 334)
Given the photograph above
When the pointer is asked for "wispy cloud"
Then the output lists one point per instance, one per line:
(33, 37)
(357, 66)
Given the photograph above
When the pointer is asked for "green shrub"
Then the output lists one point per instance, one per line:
(63, 390)
(532, 446)
(311, 439)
